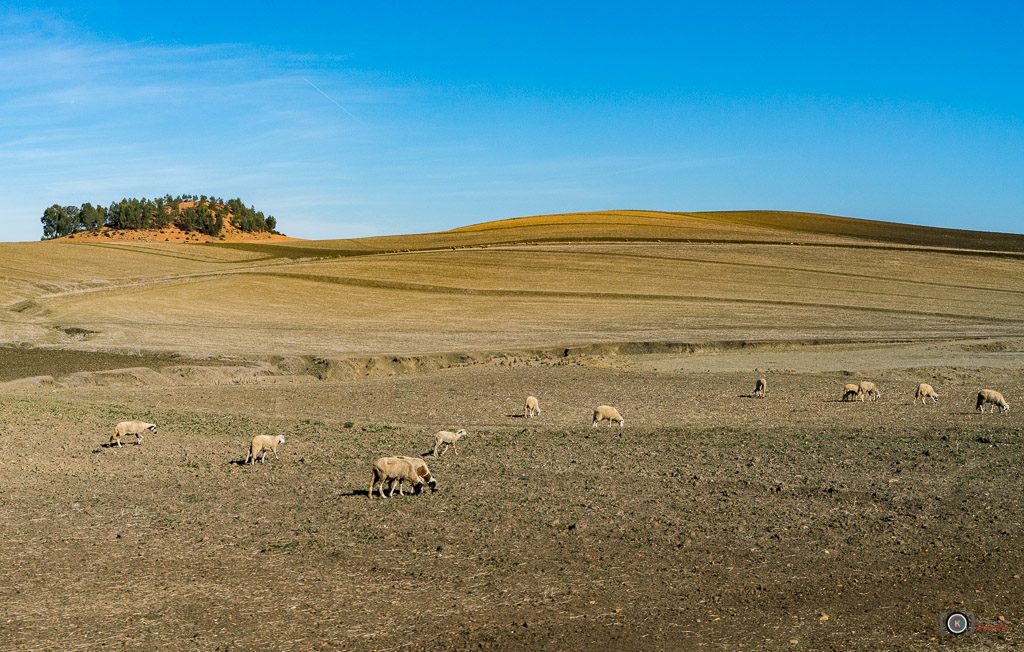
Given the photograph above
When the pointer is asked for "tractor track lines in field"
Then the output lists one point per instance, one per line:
(788, 269)
(116, 285)
(112, 286)
(554, 294)
(151, 251)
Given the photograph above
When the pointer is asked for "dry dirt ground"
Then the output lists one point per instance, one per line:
(712, 519)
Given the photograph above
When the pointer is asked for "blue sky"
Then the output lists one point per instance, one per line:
(394, 117)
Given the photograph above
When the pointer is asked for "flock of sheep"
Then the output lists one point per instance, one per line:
(397, 470)
(866, 388)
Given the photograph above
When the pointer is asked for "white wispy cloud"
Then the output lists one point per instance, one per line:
(85, 118)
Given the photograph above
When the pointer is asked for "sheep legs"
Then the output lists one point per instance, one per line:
(380, 488)
(396, 482)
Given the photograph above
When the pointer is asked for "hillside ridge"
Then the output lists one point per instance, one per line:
(624, 226)
(795, 222)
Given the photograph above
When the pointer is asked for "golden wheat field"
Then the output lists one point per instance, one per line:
(710, 519)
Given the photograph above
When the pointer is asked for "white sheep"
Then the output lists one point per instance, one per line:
(606, 413)
(395, 470)
(532, 408)
(993, 397)
(851, 392)
(869, 389)
(448, 439)
(760, 387)
(131, 428)
(924, 392)
(420, 471)
(263, 444)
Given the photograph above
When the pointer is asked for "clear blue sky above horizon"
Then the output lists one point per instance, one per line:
(355, 119)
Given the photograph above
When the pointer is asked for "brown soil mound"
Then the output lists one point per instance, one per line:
(173, 234)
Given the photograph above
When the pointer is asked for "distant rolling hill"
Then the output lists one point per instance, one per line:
(639, 226)
(893, 232)
(614, 277)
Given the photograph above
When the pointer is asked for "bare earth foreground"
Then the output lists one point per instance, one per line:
(712, 519)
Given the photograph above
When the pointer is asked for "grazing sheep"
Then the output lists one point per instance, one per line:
(394, 470)
(851, 392)
(924, 392)
(760, 387)
(993, 397)
(869, 389)
(131, 428)
(606, 413)
(448, 439)
(263, 444)
(532, 408)
(421, 471)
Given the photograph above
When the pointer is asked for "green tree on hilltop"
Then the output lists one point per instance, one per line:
(206, 214)
(91, 217)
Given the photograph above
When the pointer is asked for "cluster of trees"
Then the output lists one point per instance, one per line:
(199, 213)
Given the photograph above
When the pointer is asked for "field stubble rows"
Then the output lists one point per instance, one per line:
(495, 299)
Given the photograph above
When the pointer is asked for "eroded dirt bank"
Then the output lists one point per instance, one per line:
(30, 368)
